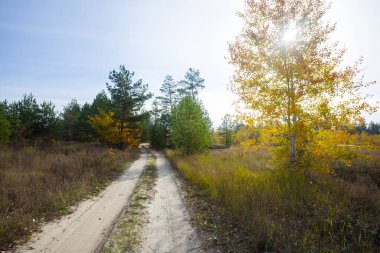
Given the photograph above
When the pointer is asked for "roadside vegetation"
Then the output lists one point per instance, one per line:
(302, 173)
(38, 184)
(297, 169)
(270, 209)
(49, 161)
(125, 236)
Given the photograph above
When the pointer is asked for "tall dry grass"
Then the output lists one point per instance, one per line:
(283, 211)
(38, 184)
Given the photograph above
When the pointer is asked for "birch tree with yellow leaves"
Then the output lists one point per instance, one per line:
(291, 81)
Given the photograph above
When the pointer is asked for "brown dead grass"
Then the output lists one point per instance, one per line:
(39, 184)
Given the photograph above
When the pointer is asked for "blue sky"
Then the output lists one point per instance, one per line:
(59, 50)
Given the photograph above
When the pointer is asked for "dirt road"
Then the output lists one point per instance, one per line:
(168, 228)
(87, 227)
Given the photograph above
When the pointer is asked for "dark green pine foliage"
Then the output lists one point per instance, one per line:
(127, 97)
(167, 100)
(226, 130)
(30, 120)
(24, 116)
(156, 110)
(71, 120)
(85, 131)
(157, 131)
(101, 102)
(191, 84)
(373, 128)
(145, 127)
(191, 127)
(157, 135)
(5, 130)
(47, 121)
(168, 90)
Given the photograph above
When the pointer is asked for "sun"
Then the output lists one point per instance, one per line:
(290, 34)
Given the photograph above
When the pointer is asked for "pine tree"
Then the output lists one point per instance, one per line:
(191, 127)
(168, 90)
(226, 130)
(71, 120)
(191, 84)
(127, 98)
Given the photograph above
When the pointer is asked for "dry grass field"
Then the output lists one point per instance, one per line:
(39, 184)
(275, 210)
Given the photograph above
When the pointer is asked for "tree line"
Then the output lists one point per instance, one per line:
(371, 128)
(177, 118)
(116, 116)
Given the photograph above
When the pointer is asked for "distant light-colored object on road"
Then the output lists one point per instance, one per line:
(86, 229)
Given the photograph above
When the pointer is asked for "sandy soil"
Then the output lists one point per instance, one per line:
(86, 229)
(168, 228)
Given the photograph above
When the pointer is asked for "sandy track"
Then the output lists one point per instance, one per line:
(85, 230)
(168, 228)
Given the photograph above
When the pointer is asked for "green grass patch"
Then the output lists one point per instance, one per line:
(125, 236)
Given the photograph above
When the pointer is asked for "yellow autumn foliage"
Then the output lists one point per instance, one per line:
(109, 129)
(295, 91)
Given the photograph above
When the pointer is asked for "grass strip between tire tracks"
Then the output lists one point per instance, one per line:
(125, 236)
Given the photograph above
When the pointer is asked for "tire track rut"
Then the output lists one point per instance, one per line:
(168, 228)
